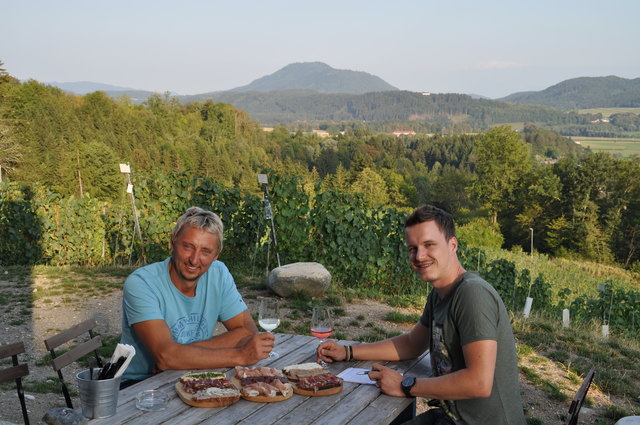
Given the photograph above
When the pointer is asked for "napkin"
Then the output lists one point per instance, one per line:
(125, 350)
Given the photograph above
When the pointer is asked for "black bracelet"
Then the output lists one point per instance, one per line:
(351, 352)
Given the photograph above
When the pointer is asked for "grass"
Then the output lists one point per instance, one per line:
(616, 146)
(399, 317)
(581, 277)
(576, 350)
(607, 112)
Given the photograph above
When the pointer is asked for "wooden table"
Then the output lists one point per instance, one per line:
(356, 404)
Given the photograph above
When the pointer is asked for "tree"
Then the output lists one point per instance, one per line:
(371, 186)
(10, 152)
(501, 159)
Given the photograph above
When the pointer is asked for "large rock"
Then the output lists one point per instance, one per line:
(629, 420)
(311, 278)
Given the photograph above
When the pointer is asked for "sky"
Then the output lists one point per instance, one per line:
(485, 47)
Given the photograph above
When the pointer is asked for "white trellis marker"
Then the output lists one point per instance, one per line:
(566, 320)
(527, 307)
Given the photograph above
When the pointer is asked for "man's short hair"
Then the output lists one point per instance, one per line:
(200, 219)
(443, 219)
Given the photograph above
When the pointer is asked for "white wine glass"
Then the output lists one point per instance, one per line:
(321, 326)
(269, 318)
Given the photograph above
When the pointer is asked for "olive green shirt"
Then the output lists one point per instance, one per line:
(473, 311)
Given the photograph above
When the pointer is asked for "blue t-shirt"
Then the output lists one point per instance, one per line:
(149, 294)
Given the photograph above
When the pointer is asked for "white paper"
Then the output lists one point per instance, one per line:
(356, 375)
(123, 350)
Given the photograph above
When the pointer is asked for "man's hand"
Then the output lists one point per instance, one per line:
(387, 379)
(331, 351)
(258, 348)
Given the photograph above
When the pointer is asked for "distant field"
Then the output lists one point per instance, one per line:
(607, 112)
(622, 147)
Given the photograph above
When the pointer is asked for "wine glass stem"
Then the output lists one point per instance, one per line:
(322, 362)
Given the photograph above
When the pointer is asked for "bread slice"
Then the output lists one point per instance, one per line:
(298, 371)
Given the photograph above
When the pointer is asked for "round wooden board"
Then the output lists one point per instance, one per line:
(319, 393)
(261, 398)
(185, 397)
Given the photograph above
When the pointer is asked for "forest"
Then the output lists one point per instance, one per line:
(498, 184)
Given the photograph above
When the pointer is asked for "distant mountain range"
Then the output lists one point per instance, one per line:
(583, 93)
(84, 87)
(316, 91)
(313, 76)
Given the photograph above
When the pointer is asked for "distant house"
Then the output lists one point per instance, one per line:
(425, 93)
(399, 133)
(321, 133)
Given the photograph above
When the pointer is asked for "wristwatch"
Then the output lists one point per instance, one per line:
(407, 383)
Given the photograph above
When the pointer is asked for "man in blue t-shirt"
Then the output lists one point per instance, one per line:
(170, 309)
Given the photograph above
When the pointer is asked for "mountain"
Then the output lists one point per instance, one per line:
(584, 93)
(84, 87)
(319, 77)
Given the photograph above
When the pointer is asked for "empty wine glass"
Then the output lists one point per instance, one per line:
(269, 318)
(321, 326)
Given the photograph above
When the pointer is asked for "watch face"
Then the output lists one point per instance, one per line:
(408, 382)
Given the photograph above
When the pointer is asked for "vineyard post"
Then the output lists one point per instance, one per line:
(529, 301)
(605, 322)
(126, 170)
(263, 181)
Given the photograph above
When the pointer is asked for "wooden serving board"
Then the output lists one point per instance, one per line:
(262, 398)
(212, 402)
(318, 393)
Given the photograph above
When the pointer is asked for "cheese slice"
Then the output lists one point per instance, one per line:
(306, 367)
(213, 392)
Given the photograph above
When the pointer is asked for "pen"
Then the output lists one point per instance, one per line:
(366, 372)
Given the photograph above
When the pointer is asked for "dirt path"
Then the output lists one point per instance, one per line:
(55, 311)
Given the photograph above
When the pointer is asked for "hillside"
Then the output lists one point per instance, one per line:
(584, 92)
(319, 77)
(289, 106)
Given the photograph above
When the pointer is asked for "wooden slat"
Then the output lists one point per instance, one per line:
(77, 352)
(13, 372)
(383, 407)
(576, 403)
(67, 335)
(11, 349)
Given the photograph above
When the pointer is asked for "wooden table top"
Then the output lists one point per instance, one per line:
(355, 405)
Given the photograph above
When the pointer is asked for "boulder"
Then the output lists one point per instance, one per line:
(310, 278)
(629, 420)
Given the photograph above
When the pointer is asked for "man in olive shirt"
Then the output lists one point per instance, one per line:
(464, 325)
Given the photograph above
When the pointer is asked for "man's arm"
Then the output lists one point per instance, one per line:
(406, 346)
(474, 381)
(242, 347)
(240, 329)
